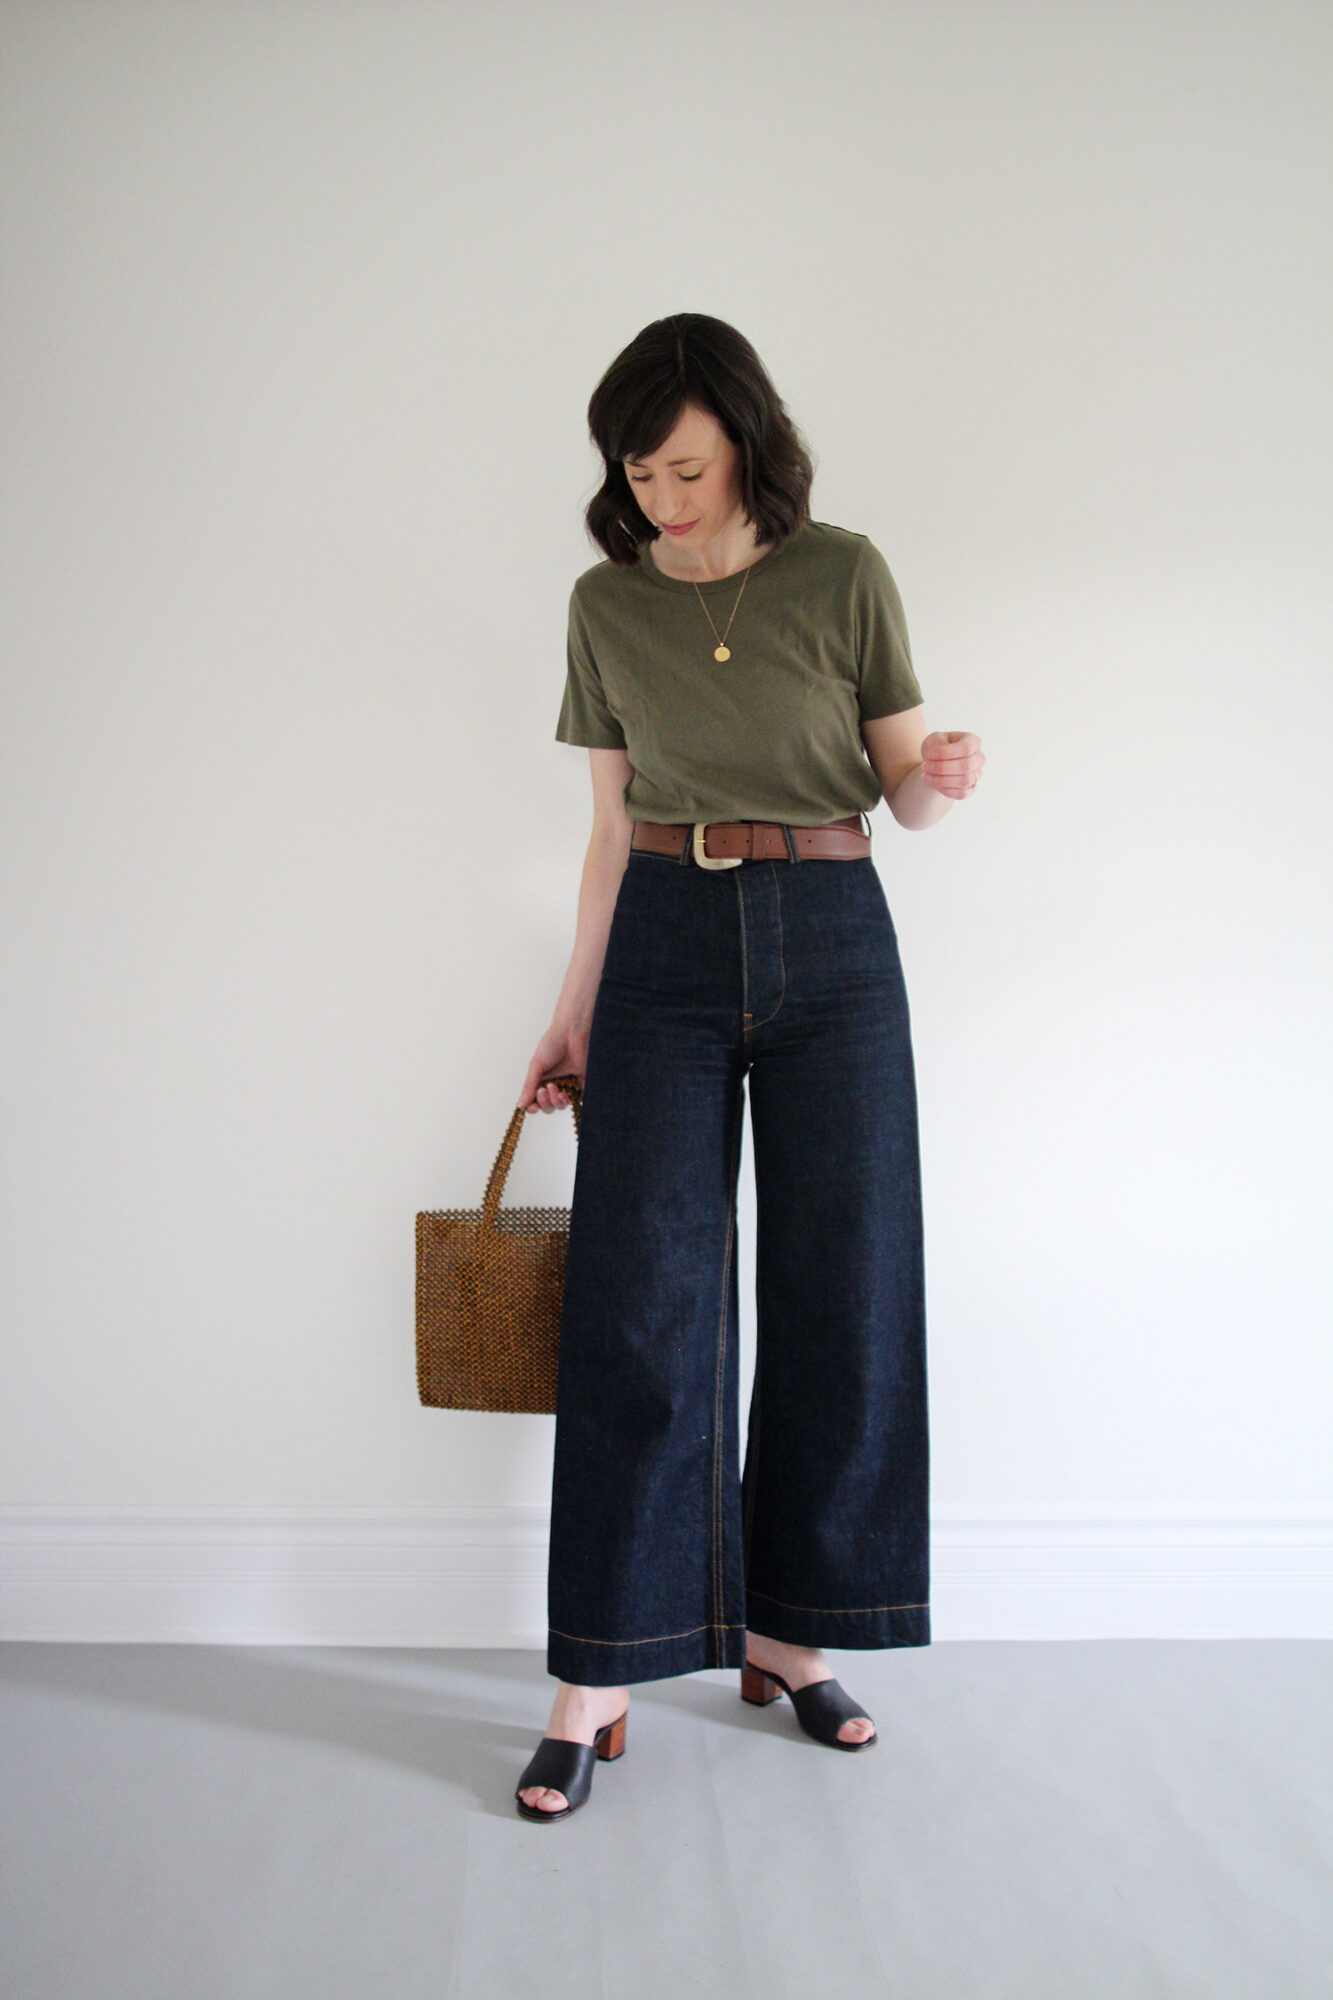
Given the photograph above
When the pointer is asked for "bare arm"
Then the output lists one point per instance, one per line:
(564, 1046)
(921, 775)
(893, 745)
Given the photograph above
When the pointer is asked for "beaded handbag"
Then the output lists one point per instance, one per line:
(490, 1285)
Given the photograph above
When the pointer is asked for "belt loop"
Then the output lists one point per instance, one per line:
(793, 851)
(684, 856)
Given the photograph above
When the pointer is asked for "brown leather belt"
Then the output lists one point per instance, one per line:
(725, 843)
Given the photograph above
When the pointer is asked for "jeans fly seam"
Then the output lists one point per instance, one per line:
(720, 1372)
(745, 967)
(782, 960)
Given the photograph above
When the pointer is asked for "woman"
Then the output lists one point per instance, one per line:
(741, 678)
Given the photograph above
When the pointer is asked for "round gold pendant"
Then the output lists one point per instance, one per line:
(722, 653)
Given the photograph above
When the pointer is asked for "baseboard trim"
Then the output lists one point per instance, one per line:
(476, 1576)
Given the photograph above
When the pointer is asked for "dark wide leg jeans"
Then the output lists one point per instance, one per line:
(661, 1554)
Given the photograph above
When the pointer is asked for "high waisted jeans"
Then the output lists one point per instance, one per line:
(661, 1554)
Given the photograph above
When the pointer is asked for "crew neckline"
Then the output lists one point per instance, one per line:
(714, 583)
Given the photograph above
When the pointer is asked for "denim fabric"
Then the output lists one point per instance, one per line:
(785, 974)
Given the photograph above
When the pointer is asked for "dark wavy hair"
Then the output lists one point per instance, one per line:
(691, 358)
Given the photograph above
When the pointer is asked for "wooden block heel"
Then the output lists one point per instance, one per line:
(759, 1687)
(613, 1745)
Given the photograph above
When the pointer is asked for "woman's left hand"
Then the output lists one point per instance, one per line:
(951, 761)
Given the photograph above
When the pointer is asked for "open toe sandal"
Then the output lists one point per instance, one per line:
(567, 1767)
(821, 1708)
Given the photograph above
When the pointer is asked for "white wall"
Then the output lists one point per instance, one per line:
(302, 309)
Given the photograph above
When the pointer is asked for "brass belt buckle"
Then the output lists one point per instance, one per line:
(712, 860)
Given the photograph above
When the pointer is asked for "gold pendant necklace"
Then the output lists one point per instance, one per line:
(722, 651)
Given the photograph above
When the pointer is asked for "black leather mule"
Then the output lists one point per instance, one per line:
(821, 1708)
(567, 1767)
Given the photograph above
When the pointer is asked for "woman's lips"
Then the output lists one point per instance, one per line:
(683, 530)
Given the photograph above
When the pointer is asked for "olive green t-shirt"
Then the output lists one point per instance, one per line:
(818, 645)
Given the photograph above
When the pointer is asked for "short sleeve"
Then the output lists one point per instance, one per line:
(886, 680)
(585, 715)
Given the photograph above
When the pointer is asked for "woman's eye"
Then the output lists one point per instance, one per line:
(688, 478)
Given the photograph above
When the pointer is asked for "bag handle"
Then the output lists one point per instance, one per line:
(504, 1159)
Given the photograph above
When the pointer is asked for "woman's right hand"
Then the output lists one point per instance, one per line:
(560, 1052)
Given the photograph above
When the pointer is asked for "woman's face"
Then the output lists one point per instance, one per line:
(690, 483)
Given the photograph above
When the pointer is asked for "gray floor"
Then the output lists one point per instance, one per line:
(1111, 1818)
